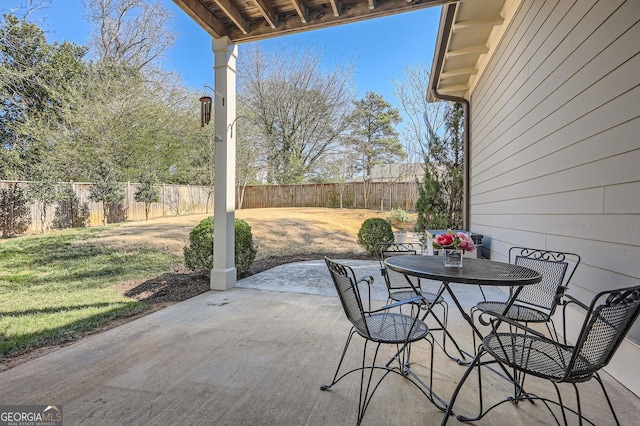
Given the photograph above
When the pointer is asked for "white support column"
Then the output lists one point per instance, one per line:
(223, 275)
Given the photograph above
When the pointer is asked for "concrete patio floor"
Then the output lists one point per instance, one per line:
(257, 355)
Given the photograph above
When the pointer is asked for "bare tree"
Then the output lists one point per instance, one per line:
(302, 110)
(391, 174)
(423, 120)
(132, 31)
(25, 8)
(341, 166)
(437, 131)
(250, 155)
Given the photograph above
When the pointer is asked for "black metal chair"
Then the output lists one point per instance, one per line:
(535, 303)
(378, 326)
(401, 287)
(608, 319)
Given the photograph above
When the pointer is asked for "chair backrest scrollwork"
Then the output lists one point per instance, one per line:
(557, 269)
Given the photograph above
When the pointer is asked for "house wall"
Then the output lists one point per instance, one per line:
(555, 145)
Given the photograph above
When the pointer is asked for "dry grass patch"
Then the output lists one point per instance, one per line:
(276, 231)
(291, 231)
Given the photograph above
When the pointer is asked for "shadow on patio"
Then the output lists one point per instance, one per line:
(257, 355)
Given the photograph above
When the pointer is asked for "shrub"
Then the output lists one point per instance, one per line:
(245, 252)
(399, 215)
(198, 256)
(401, 220)
(70, 212)
(15, 214)
(373, 231)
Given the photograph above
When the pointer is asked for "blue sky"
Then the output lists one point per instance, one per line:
(380, 48)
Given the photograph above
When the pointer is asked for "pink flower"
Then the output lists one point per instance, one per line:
(466, 243)
(444, 240)
(453, 240)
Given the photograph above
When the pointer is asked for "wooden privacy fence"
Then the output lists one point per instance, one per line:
(356, 195)
(78, 210)
(176, 200)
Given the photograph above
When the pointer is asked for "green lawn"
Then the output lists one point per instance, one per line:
(55, 287)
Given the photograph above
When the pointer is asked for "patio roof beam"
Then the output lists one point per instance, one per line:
(321, 18)
(335, 6)
(233, 14)
(252, 20)
(301, 10)
(268, 13)
(200, 14)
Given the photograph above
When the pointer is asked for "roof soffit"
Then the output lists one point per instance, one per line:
(473, 34)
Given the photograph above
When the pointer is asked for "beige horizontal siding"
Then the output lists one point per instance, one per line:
(555, 139)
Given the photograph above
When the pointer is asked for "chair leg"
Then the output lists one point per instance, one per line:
(366, 394)
(575, 389)
(364, 399)
(344, 352)
(402, 356)
(472, 311)
(366, 390)
(475, 362)
(559, 403)
(606, 395)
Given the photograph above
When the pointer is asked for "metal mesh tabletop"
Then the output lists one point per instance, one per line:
(474, 271)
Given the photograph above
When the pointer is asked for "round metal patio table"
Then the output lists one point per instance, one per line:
(473, 271)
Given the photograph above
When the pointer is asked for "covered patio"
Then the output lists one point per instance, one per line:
(551, 99)
(254, 355)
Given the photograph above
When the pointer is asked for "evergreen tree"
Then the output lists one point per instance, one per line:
(440, 197)
(15, 215)
(148, 191)
(106, 188)
(38, 84)
(373, 134)
(43, 189)
(430, 204)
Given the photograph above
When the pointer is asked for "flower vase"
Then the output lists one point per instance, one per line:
(452, 258)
